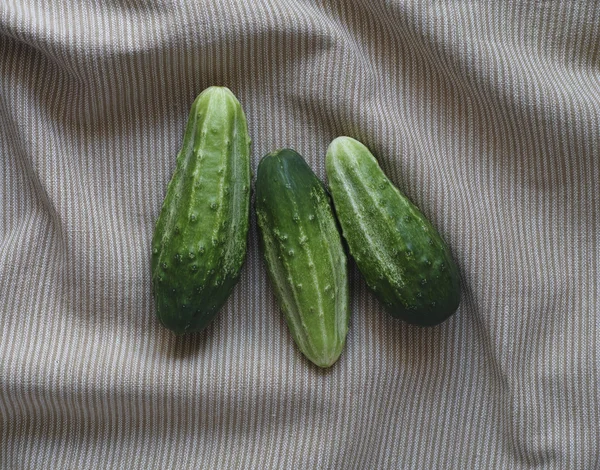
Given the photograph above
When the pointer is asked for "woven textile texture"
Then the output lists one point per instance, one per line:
(485, 114)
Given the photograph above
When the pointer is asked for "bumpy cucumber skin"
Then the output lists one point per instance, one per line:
(303, 252)
(401, 255)
(200, 238)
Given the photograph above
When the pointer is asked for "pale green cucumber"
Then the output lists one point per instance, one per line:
(400, 254)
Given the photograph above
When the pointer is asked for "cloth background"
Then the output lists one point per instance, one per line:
(486, 114)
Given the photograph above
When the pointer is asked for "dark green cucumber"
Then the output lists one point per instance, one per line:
(400, 254)
(303, 252)
(199, 242)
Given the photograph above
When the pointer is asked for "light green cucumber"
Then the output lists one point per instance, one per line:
(400, 254)
(200, 239)
(303, 252)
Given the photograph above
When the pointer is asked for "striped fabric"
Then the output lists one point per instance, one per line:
(486, 114)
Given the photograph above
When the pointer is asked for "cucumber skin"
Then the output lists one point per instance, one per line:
(303, 252)
(401, 255)
(200, 239)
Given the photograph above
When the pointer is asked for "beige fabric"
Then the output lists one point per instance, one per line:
(486, 114)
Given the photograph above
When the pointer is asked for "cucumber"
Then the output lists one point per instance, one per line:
(400, 254)
(303, 252)
(200, 238)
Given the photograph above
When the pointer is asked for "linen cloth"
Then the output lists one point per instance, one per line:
(485, 114)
